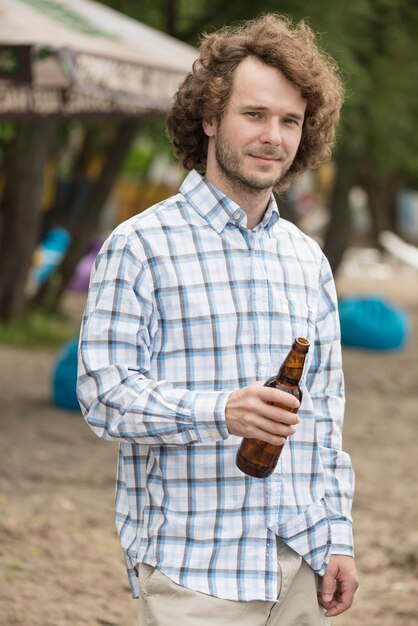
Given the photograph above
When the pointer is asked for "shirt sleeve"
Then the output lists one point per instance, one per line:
(326, 387)
(118, 397)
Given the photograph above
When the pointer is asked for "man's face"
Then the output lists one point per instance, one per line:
(256, 140)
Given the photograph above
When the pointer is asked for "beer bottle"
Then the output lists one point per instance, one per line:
(259, 458)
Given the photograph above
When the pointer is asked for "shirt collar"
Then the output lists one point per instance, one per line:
(217, 209)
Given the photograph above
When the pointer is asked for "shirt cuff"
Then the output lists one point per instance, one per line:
(208, 414)
(342, 537)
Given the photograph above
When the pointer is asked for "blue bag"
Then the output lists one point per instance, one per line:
(371, 322)
(64, 377)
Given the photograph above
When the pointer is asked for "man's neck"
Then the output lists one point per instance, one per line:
(253, 202)
(255, 210)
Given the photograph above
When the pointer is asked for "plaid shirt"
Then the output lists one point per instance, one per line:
(186, 305)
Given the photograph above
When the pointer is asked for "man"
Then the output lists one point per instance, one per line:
(192, 305)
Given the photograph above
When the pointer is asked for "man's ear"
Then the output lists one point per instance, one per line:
(210, 126)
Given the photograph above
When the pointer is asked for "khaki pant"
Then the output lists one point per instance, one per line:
(164, 603)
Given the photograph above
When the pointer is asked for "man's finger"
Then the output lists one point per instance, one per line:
(328, 585)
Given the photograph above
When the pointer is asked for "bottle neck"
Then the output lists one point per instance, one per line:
(292, 368)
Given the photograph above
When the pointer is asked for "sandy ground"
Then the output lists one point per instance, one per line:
(60, 561)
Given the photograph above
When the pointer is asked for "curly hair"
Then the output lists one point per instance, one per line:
(274, 40)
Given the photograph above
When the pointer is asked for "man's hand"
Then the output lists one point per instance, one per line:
(339, 585)
(250, 413)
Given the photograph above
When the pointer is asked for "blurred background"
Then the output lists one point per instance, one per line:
(84, 89)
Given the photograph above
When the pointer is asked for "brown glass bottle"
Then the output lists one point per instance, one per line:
(259, 458)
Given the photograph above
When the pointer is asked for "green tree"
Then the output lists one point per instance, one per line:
(376, 46)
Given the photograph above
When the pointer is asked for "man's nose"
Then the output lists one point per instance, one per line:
(271, 133)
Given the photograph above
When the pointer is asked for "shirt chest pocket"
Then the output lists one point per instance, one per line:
(292, 318)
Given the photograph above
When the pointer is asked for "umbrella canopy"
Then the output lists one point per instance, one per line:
(78, 57)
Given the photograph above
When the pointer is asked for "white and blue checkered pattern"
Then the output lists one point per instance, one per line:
(185, 305)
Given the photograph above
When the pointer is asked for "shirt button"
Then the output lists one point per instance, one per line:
(237, 215)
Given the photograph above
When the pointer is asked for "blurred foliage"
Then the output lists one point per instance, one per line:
(376, 47)
(92, 139)
(37, 329)
(374, 43)
(6, 132)
(150, 141)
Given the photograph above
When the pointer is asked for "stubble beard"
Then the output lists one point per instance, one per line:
(231, 169)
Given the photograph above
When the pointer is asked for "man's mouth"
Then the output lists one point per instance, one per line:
(266, 157)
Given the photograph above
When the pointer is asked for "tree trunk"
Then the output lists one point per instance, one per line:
(339, 231)
(170, 11)
(382, 196)
(61, 214)
(51, 291)
(21, 211)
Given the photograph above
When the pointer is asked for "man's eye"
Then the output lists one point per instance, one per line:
(254, 114)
